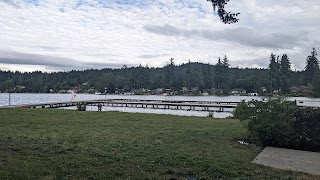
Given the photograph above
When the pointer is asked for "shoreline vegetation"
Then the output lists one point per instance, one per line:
(176, 94)
(192, 78)
(58, 144)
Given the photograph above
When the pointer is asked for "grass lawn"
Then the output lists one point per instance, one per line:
(62, 144)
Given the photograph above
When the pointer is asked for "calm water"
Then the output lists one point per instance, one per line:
(28, 98)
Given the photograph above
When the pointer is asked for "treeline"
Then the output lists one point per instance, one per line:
(218, 78)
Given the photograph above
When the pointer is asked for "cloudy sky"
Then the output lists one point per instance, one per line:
(55, 35)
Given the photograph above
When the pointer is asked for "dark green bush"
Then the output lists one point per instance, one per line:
(306, 125)
(245, 110)
(81, 107)
(274, 122)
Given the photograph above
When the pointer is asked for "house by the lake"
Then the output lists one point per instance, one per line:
(238, 91)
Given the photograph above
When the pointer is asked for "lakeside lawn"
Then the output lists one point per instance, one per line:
(62, 144)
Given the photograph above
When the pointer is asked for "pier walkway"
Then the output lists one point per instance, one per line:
(137, 103)
(211, 106)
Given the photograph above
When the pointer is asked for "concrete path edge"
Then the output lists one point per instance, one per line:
(289, 159)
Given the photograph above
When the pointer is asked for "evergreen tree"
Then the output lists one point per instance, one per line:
(170, 74)
(311, 67)
(316, 84)
(193, 74)
(188, 76)
(219, 62)
(104, 81)
(219, 74)
(225, 73)
(207, 75)
(274, 75)
(225, 61)
(312, 72)
(286, 73)
(198, 77)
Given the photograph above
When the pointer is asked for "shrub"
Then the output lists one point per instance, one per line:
(274, 122)
(81, 107)
(245, 110)
(211, 114)
(306, 125)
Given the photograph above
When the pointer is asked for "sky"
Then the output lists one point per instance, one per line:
(63, 35)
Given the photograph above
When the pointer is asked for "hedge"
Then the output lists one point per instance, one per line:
(277, 123)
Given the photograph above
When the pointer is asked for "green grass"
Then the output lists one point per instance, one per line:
(61, 144)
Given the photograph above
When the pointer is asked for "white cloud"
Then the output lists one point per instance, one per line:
(92, 32)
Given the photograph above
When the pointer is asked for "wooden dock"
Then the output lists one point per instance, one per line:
(211, 106)
(217, 106)
(174, 105)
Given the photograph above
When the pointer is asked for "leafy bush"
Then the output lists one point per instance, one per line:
(306, 125)
(211, 114)
(274, 122)
(245, 110)
(81, 107)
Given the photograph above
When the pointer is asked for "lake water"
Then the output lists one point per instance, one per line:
(29, 98)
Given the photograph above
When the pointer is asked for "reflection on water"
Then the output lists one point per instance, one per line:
(157, 111)
(29, 98)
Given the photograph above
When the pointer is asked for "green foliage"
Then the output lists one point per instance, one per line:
(222, 73)
(285, 73)
(280, 74)
(81, 107)
(266, 120)
(271, 125)
(316, 84)
(306, 129)
(205, 77)
(312, 73)
(140, 93)
(312, 66)
(275, 122)
(274, 77)
(244, 110)
(226, 17)
(105, 81)
(170, 74)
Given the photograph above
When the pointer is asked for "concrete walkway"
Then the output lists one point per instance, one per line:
(288, 159)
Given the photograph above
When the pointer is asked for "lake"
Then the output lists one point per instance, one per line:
(33, 98)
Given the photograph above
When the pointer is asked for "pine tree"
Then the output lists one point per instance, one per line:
(104, 82)
(285, 73)
(219, 62)
(311, 67)
(221, 73)
(226, 74)
(316, 84)
(170, 74)
(274, 76)
(225, 61)
(312, 72)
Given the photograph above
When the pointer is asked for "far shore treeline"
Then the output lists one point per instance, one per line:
(189, 78)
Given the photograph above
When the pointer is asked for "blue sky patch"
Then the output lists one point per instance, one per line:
(32, 2)
(61, 10)
(110, 4)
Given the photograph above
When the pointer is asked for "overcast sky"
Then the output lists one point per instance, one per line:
(55, 35)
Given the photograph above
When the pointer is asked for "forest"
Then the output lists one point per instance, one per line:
(217, 78)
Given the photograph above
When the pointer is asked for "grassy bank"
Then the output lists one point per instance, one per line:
(60, 144)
